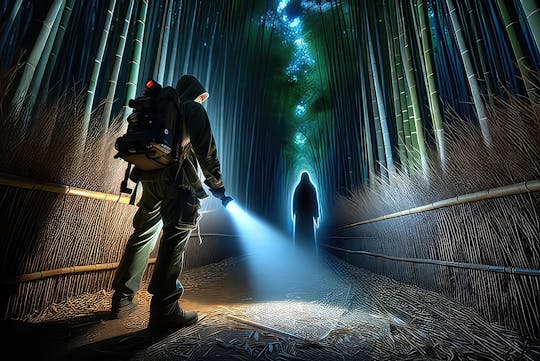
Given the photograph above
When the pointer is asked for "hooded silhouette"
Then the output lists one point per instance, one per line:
(305, 211)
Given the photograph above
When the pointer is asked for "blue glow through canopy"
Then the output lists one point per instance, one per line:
(282, 5)
(295, 23)
(300, 110)
(300, 139)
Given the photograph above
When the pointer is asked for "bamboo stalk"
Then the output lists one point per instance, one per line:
(27, 183)
(262, 327)
(134, 64)
(416, 122)
(510, 190)
(96, 68)
(6, 29)
(36, 54)
(385, 135)
(471, 76)
(113, 81)
(532, 11)
(513, 31)
(435, 107)
(89, 268)
(474, 266)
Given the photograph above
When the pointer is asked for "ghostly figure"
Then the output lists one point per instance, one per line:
(306, 214)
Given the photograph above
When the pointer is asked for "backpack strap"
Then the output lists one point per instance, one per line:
(183, 146)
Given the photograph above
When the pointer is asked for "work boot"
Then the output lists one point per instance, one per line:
(166, 316)
(122, 306)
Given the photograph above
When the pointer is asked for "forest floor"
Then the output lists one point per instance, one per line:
(343, 313)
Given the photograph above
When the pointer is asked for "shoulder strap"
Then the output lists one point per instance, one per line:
(183, 148)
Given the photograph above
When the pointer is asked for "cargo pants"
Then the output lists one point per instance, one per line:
(164, 205)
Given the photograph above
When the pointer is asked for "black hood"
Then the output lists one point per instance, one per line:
(189, 88)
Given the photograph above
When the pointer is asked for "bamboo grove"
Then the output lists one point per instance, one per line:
(349, 90)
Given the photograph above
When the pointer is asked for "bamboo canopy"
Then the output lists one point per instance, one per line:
(423, 59)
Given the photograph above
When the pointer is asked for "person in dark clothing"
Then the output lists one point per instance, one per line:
(170, 202)
(306, 213)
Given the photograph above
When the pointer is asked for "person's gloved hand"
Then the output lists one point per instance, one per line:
(219, 193)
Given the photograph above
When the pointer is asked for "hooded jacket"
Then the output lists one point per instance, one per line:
(201, 144)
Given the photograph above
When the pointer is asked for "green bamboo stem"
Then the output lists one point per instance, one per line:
(6, 30)
(395, 88)
(380, 105)
(471, 76)
(513, 30)
(135, 63)
(37, 79)
(435, 107)
(532, 11)
(365, 115)
(376, 122)
(505, 191)
(96, 67)
(404, 105)
(480, 49)
(417, 125)
(113, 81)
(66, 16)
(36, 54)
(415, 162)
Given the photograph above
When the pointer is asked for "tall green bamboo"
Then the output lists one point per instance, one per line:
(480, 49)
(6, 30)
(37, 53)
(134, 64)
(365, 112)
(96, 67)
(435, 106)
(380, 104)
(111, 88)
(532, 11)
(379, 142)
(471, 76)
(390, 36)
(58, 41)
(404, 105)
(39, 72)
(513, 30)
(412, 89)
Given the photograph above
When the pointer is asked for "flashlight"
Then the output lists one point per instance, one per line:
(226, 200)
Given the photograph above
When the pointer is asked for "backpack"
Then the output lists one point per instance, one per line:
(151, 140)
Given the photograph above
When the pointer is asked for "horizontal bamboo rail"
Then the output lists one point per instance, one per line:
(28, 183)
(87, 268)
(510, 190)
(68, 270)
(481, 267)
